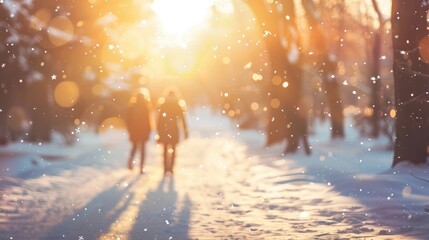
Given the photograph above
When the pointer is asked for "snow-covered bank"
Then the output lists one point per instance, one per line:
(227, 185)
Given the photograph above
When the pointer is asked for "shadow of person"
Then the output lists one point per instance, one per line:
(97, 216)
(157, 219)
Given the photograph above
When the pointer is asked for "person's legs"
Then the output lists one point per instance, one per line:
(165, 155)
(306, 145)
(142, 155)
(173, 157)
(132, 153)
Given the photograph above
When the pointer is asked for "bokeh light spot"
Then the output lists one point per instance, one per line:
(285, 84)
(276, 80)
(111, 123)
(275, 103)
(368, 111)
(257, 77)
(60, 31)
(424, 49)
(392, 113)
(254, 106)
(40, 19)
(66, 94)
(406, 192)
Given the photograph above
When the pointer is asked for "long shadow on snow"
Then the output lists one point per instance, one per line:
(96, 217)
(157, 219)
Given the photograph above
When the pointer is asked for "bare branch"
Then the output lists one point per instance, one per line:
(378, 12)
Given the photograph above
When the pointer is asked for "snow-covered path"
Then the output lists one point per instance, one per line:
(226, 186)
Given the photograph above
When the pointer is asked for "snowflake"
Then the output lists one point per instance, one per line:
(54, 77)
(3, 65)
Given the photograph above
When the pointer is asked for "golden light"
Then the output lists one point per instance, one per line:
(285, 84)
(424, 49)
(254, 106)
(132, 44)
(111, 123)
(179, 17)
(66, 94)
(392, 113)
(275, 103)
(368, 111)
(224, 6)
(98, 89)
(182, 103)
(40, 19)
(231, 113)
(183, 63)
(257, 77)
(276, 80)
(226, 60)
(60, 31)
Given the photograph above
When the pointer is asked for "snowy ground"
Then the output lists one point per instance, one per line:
(227, 185)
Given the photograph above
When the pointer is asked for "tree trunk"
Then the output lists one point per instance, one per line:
(285, 89)
(411, 75)
(375, 78)
(40, 111)
(375, 85)
(328, 69)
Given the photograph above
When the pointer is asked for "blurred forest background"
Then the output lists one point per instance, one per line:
(69, 66)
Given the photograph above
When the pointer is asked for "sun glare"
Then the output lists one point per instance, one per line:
(180, 17)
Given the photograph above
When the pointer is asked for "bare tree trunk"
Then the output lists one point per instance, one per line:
(375, 79)
(286, 121)
(411, 75)
(328, 70)
(40, 111)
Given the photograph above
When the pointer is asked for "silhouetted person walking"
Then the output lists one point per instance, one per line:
(137, 119)
(170, 112)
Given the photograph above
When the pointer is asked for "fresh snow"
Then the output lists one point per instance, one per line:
(226, 185)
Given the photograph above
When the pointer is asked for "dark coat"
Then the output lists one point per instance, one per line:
(137, 121)
(170, 112)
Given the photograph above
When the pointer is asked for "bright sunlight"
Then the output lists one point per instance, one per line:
(179, 17)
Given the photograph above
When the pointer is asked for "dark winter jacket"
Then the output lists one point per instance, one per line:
(169, 115)
(137, 120)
